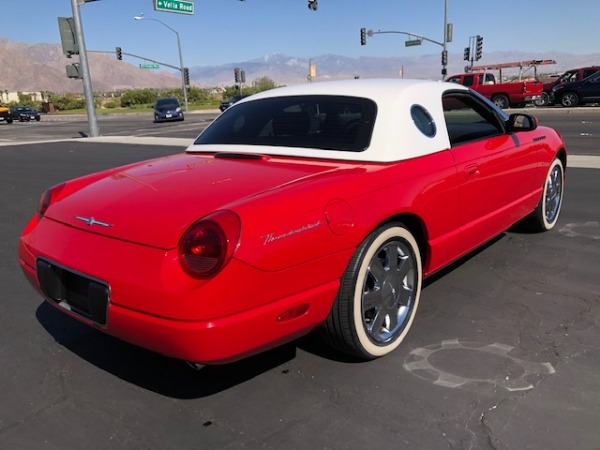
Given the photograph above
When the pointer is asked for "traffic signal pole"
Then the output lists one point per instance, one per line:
(85, 71)
(419, 38)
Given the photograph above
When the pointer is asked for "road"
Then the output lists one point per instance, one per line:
(580, 127)
(503, 353)
(76, 127)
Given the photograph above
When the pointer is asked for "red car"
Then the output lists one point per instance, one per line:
(321, 206)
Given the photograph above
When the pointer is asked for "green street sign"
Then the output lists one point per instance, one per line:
(149, 66)
(413, 42)
(174, 6)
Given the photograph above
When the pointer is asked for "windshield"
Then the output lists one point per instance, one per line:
(317, 121)
(164, 102)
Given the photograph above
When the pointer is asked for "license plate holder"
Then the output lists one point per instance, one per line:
(78, 293)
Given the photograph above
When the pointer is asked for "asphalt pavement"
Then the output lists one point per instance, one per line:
(503, 353)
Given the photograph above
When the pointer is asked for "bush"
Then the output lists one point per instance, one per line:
(65, 102)
(138, 97)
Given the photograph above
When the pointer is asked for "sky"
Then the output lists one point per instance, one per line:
(233, 31)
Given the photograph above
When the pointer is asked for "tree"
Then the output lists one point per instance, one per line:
(138, 97)
(263, 84)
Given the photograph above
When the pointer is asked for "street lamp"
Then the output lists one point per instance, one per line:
(183, 87)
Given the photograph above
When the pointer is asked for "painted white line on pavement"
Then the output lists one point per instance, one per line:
(583, 161)
(573, 161)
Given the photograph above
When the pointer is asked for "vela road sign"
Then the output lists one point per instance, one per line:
(175, 6)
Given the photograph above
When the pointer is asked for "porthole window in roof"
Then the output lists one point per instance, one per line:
(423, 120)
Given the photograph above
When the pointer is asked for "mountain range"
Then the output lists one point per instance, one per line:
(41, 67)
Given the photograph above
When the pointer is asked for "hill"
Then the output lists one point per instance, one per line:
(285, 69)
(41, 67)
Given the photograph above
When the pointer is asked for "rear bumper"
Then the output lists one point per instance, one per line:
(151, 303)
(215, 341)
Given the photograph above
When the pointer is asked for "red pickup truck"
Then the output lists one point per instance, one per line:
(504, 95)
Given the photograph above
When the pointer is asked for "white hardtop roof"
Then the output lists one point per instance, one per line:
(395, 136)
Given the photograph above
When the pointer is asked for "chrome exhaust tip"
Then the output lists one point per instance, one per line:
(194, 365)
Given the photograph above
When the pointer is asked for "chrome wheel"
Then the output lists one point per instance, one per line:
(569, 99)
(544, 100)
(379, 294)
(388, 291)
(545, 215)
(501, 101)
(553, 193)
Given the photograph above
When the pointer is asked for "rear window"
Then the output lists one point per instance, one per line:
(322, 122)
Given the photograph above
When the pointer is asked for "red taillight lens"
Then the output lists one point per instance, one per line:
(208, 245)
(47, 198)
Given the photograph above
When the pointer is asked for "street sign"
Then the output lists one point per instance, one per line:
(413, 42)
(149, 66)
(174, 6)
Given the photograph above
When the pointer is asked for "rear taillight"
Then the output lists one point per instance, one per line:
(208, 245)
(47, 198)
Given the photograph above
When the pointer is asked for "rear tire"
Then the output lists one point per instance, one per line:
(544, 100)
(501, 101)
(569, 99)
(379, 295)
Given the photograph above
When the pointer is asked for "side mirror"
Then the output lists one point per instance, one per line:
(522, 122)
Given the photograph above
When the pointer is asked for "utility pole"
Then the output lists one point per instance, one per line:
(447, 38)
(85, 71)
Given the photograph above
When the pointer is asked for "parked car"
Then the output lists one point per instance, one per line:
(167, 109)
(227, 103)
(568, 77)
(578, 92)
(5, 114)
(320, 206)
(24, 114)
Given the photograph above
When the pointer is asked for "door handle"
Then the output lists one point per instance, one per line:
(471, 170)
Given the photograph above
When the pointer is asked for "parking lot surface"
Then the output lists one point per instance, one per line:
(503, 353)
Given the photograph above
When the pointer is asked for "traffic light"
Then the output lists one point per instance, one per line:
(73, 71)
(467, 54)
(68, 37)
(119, 53)
(236, 74)
(478, 47)
(243, 76)
(444, 57)
(363, 36)
(186, 76)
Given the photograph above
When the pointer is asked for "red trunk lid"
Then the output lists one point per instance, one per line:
(154, 202)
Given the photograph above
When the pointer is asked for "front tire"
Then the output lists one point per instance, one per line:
(569, 99)
(379, 294)
(546, 214)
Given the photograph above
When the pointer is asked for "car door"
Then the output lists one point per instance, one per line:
(590, 88)
(496, 171)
